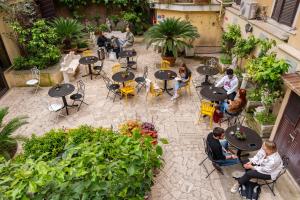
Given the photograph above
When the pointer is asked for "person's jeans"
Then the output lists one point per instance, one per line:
(179, 84)
(227, 162)
(253, 174)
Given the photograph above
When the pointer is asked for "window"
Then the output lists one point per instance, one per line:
(285, 11)
(238, 2)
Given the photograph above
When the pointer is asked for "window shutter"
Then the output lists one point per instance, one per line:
(277, 9)
(288, 13)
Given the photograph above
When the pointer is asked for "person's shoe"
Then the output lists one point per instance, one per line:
(175, 96)
(235, 188)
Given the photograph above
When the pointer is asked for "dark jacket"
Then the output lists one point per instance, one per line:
(215, 147)
(101, 41)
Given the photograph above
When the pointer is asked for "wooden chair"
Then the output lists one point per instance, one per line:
(128, 89)
(165, 65)
(87, 53)
(207, 109)
(116, 68)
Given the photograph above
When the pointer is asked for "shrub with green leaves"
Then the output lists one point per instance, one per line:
(265, 118)
(110, 166)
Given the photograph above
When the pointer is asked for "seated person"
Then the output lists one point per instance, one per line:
(219, 148)
(116, 46)
(184, 76)
(266, 165)
(236, 105)
(102, 40)
(229, 83)
(128, 42)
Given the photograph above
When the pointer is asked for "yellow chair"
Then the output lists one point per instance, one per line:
(154, 92)
(87, 53)
(207, 108)
(128, 89)
(116, 68)
(165, 65)
(187, 86)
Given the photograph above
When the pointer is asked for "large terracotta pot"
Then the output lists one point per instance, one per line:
(170, 59)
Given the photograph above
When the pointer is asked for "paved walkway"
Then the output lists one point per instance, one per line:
(181, 178)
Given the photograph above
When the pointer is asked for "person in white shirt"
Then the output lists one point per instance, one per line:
(229, 83)
(266, 165)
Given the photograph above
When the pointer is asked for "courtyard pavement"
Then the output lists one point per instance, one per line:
(181, 178)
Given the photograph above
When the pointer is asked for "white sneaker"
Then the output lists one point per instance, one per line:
(175, 96)
(235, 188)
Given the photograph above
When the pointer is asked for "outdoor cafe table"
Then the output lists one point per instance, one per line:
(165, 75)
(89, 60)
(252, 142)
(207, 71)
(123, 76)
(213, 93)
(62, 91)
(128, 54)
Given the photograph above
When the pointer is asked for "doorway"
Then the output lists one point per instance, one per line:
(4, 64)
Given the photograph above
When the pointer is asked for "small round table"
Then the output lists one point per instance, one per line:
(252, 142)
(207, 71)
(128, 54)
(213, 93)
(123, 76)
(165, 75)
(62, 91)
(88, 60)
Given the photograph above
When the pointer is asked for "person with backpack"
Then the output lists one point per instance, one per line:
(266, 165)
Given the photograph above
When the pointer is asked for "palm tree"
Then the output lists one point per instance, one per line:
(68, 30)
(8, 143)
(172, 34)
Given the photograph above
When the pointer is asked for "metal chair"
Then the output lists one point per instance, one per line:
(112, 87)
(101, 57)
(56, 108)
(36, 78)
(132, 64)
(209, 155)
(79, 95)
(271, 183)
(212, 62)
(141, 81)
(233, 118)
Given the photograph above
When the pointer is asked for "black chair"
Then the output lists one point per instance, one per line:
(233, 118)
(271, 183)
(141, 81)
(112, 88)
(209, 155)
(79, 95)
(101, 57)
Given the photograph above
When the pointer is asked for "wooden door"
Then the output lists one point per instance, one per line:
(288, 135)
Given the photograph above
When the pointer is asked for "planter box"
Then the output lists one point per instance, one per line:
(252, 105)
(263, 130)
(49, 77)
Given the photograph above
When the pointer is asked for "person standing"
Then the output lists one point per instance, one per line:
(108, 24)
(230, 83)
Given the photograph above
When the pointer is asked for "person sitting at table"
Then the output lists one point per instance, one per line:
(101, 41)
(266, 165)
(184, 76)
(219, 148)
(116, 46)
(230, 83)
(237, 104)
(129, 40)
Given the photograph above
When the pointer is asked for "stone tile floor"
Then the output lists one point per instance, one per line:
(181, 178)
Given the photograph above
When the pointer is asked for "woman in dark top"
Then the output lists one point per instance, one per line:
(101, 41)
(219, 148)
(184, 76)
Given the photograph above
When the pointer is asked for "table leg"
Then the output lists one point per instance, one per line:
(166, 89)
(206, 82)
(65, 104)
(90, 71)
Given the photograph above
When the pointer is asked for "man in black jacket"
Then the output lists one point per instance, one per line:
(219, 148)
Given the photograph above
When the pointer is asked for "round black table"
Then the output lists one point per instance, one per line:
(207, 71)
(213, 93)
(123, 76)
(128, 54)
(62, 91)
(165, 75)
(88, 60)
(252, 142)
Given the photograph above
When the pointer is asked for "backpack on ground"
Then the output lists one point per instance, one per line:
(250, 190)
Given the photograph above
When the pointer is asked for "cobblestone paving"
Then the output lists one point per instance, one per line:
(181, 178)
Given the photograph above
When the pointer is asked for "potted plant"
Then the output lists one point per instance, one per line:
(8, 143)
(68, 30)
(253, 99)
(225, 61)
(172, 35)
(264, 122)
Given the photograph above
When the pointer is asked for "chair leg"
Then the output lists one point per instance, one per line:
(108, 93)
(271, 188)
(201, 163)
(210, 173)
(79, 105)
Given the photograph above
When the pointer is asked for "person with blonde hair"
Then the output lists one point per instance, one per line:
(266, 165)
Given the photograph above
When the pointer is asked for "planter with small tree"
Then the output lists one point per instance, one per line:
(172, 35)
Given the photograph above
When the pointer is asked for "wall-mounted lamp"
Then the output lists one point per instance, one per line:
(248, 28)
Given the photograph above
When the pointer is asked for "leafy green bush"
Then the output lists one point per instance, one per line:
(254, 95)
(39, 44)
(51, 144)
(265, 118)
(103, 27)
(243, 47)
(110, 166)
(226, 59)
(230, 38)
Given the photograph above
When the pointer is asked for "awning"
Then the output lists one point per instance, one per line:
(292, 81)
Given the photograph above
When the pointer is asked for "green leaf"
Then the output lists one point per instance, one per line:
(159, 150)
(164, 140)
(32, 188)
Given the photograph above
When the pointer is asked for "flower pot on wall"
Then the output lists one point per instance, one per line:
(189, 52)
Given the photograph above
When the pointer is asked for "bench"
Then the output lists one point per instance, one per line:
(69, 66)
